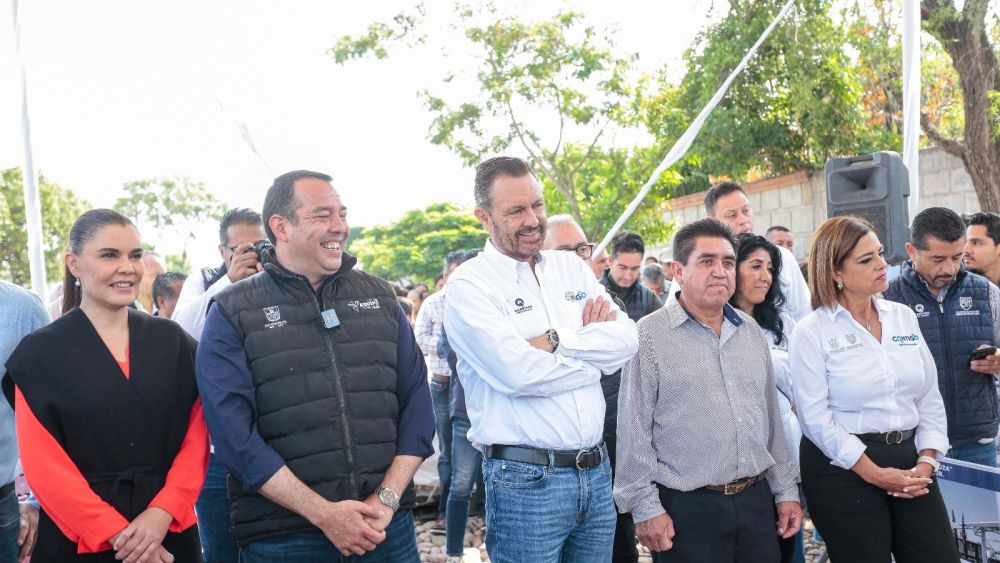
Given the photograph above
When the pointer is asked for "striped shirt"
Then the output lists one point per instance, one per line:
(696, 409)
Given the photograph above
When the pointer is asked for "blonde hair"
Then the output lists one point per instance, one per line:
(831, 245)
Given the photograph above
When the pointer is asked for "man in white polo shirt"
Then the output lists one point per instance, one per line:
(534, 331)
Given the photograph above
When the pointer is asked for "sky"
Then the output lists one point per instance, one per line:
(133, 89)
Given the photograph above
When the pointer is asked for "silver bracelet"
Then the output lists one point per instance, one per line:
(929, 461)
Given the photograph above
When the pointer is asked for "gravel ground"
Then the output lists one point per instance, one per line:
(431, 545)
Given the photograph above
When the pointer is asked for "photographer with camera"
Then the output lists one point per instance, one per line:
(242, 239)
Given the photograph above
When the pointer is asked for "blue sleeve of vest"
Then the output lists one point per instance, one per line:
(416, 415)
(226, 389)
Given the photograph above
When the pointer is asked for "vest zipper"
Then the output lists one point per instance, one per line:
(947, 355)
(342, 402)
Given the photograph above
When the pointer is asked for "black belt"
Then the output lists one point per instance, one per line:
(891, 438)
(6, 489)
(737, 486)
(580, 459)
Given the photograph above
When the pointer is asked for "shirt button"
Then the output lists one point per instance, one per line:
(743, 460)
(730, 383)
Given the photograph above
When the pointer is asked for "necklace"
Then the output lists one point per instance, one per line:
(868, 322)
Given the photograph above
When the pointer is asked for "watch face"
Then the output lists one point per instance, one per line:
(388, 497)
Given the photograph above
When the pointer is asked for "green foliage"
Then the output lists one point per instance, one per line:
(168, 204)
(378, 36)
(178, 262)
(550, 90)
(797, 102)
(60, 207)
(415, 246)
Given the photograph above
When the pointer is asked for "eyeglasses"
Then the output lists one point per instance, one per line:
(584, 250)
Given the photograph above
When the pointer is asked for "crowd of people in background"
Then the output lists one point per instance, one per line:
(701, 401)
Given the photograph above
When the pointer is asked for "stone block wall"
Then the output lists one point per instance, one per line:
(798, 200)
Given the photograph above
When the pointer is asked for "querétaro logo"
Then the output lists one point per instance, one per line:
(272, 314)
(520, 307)
(906, 339)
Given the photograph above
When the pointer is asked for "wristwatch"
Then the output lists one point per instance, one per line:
(930, 461)
(553, 337)
(388, 497)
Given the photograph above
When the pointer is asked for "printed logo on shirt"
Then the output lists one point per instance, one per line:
(966, 304)
(852, 343)
(576, 295)
(273, 316)
(366, 305)
(906, 339)
(919, 310)
(520, 307)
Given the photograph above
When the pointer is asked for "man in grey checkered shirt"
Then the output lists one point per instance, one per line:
(703, 465)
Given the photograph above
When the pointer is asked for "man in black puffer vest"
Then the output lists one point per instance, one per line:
(315, 393)
(958, 312)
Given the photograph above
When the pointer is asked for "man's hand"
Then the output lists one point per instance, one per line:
(243, 263)
(138, 542)
(376, 504)
(990, 365)
(598, 311)
(347, 525)
(29, 530)
(789, 518)
(657, 533)
(541, 342)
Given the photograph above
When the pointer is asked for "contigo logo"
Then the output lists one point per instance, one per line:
(905, 339)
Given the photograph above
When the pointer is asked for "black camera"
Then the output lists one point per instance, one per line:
(259, 248)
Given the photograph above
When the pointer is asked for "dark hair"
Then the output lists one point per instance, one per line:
(84, 229)
(719, 190)
(778, 228)
(686, 238)
(163, 285)
(768, 312)
(938, 222)
(405, 304)
(989, 220)
(489, 170)
(653, 273)
(452, 259)
(626, 242)
(280, 198)
(398, 289)
(469, 254)
(237, 216)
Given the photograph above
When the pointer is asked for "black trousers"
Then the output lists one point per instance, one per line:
(863, 523)
(712, 526)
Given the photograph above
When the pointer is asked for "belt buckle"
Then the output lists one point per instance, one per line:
(579, 455)
(896, 442)
(732, 488)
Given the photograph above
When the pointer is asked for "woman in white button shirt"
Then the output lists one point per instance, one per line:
(758, 264)
(868, 403)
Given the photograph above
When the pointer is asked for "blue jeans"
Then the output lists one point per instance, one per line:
(400, 546)
(442, 423)
(10, 525)
(983, 454)
(547, 513)
(214, 525)
(466, 462)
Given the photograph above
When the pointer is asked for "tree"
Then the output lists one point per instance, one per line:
(415, 246)
(964, 35)
(551, 89)
(797, 102)
(60, 207)
(168, 204)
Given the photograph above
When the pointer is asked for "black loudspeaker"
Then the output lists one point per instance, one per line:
(876, 187)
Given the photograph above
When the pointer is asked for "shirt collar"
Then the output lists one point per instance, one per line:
(880, 305)
(506, 263)
(678, 314)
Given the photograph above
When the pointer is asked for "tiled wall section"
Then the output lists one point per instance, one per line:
(798, 200)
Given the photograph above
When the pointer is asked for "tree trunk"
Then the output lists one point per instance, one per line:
(963, 35)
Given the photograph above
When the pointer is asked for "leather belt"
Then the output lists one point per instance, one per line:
(891, 438)
(737, 486)
(6, 489)
(580, 459)
(438, 378)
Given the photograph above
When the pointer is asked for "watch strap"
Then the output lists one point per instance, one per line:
(929, 461)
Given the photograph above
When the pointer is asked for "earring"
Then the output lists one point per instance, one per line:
(840, 286)
(77, 282)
